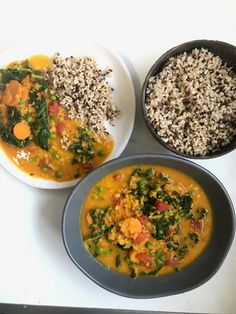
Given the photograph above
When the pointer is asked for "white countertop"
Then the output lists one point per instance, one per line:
(34, 267)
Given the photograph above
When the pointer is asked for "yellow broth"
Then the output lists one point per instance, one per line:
(122, 213)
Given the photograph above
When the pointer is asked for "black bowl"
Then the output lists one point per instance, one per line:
(224, 50)
(193, 275)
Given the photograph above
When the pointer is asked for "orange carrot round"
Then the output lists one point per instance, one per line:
(12, 93)
(21, 130)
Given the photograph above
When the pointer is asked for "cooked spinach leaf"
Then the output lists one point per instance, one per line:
(138, 172)
(18, 72)
(142, 189)
(201, 213)
(148, 206)
(147, 174)
(133, 273)
(102, 251)
(118, 261)
(14, 116)
(96, 236)
(186, 203)
(97, 216)
(41, 138)
(83, 148)
(8, 137)
(163, 177)
(6, 132)
(174, 245)
(6, 75)
(41, 126)
(182, 252)
(41, 84)
(162, 227)
(194, 236)
(33, 96)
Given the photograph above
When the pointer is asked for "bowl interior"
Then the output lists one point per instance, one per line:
(202, 269)
(224, 50)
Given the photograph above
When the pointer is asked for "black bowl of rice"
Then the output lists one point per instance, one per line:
(189, 99)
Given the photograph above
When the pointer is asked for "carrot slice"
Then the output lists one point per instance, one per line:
(21, 130)
(12, 93)
(130, 227)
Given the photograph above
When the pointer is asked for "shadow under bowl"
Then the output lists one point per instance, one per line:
(193, 275)
(225, 51)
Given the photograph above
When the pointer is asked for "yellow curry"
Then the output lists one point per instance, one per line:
(35, 131)
(146, 220)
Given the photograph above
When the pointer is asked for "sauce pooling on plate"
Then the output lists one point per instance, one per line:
(36, 132)
(146, 220)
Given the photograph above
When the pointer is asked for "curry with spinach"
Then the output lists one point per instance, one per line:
(35, 131)
(146, 220)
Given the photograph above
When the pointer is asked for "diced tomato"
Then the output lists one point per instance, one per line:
(145, 259)
(118, 176)
(117, 201)
(162, 205)
(44, 162)
(44, 94)
(60, 127)
(198, 225)
(143, 219)
(140, 238)
(53, 108)
(172, 261)
(88, 166)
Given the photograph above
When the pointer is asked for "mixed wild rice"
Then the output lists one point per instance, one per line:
(83, 90)
(191, 103)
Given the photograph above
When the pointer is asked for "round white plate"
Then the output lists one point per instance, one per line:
(123, 95)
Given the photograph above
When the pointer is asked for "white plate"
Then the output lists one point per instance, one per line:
(123, 95)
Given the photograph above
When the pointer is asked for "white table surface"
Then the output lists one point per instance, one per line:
(34, 267)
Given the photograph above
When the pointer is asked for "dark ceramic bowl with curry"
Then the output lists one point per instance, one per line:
(217, 52)
(148, 225)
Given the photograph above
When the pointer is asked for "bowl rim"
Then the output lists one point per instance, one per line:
(151, 156)
(163, 59)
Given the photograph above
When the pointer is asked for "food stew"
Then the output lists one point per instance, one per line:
(35, 131)
(146, 220)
